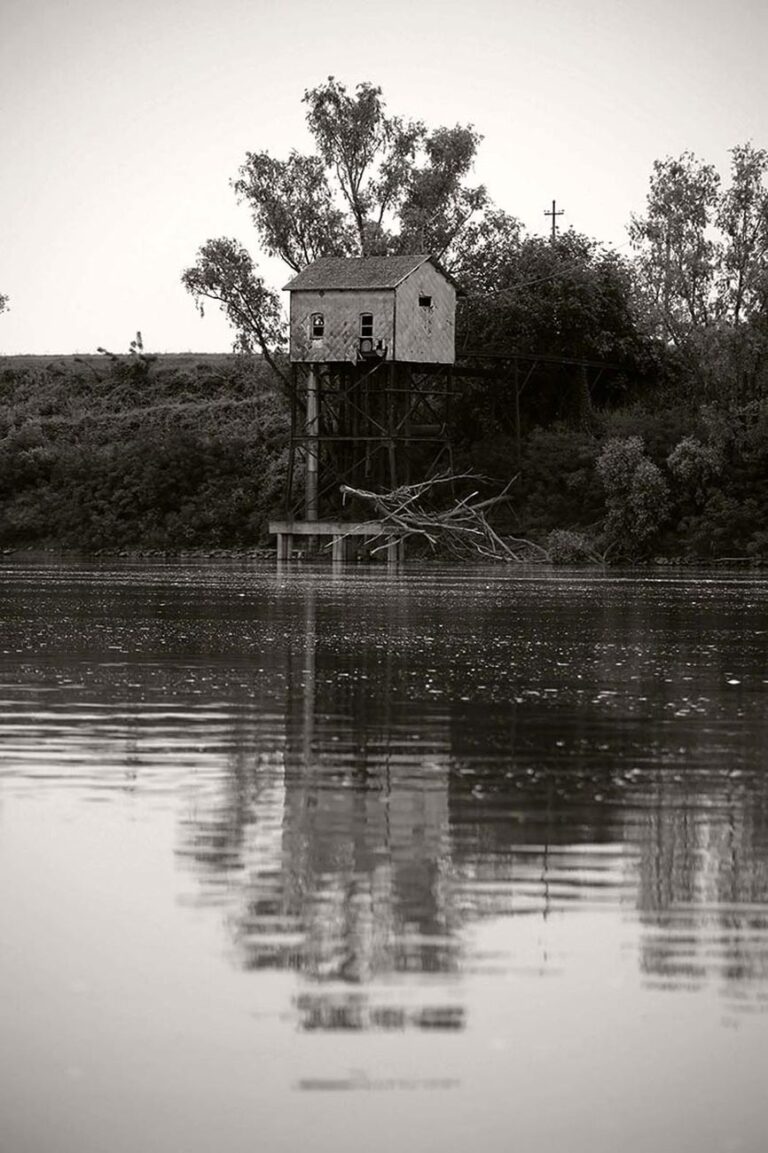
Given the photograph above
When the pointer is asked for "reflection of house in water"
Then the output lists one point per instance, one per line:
(341, 840)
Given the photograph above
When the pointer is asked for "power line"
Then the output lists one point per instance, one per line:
(541, 279)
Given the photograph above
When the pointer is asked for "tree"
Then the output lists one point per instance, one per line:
(702, 269)
(225, 273)
(436, 207)
(376, 184)
(742, 217)
(3, 302)
(483, 253)
(676, 256)
(293, 208)
(568, 300)
(636, 497)
(369, 154)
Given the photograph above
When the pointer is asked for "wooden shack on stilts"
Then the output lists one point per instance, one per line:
(372, 345)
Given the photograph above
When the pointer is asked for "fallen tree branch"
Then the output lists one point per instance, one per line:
(462, 529)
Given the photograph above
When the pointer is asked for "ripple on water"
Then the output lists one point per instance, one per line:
(456, 805)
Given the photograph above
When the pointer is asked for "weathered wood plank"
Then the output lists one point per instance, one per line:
(332, 528)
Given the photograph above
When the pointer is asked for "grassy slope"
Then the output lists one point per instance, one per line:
(186, 451)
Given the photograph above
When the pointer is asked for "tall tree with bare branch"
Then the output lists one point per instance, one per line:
(377, 183)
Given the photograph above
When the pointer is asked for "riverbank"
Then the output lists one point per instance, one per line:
(257, 554)
(147, 456)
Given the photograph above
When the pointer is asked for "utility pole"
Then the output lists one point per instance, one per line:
(554, 212)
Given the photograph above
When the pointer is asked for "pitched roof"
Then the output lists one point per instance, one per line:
(358, 272)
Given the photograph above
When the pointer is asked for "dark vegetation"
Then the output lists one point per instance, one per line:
(642, 432)
(191, 452)
(167, 452)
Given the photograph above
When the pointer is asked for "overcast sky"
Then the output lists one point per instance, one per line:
(123, 122)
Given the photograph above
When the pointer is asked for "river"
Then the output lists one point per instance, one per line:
(448, 858)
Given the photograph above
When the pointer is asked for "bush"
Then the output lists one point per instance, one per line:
(565, 547)
(557, 487)
(636, 495)
(694, 465)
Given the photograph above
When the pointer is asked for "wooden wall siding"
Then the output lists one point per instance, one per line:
(410, 332)
(426, 336)
(341, 310)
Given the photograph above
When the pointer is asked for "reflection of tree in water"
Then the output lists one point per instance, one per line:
(704, 882)
(357, 841)
(534, 812)
(699, 807)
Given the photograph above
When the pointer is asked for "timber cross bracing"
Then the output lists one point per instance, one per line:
(379, 426)
(386, 425)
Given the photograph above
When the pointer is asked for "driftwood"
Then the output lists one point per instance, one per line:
(461, 530)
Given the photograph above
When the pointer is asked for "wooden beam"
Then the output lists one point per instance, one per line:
(331, 528)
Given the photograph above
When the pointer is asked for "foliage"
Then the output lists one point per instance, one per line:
(558, 487)
(552, 306)
(660, 426)
(555, 486)
(693, 465)
(437, 207)
(726, 527)
(481, 253)
(742, 218)
(636, 496)
(570, 298)
(136, 366)
(725, 511)
(293, 209)
(378, 183)
(702, 270)
(3, 302)
(225, 272)
(194, 454)
(91, 457)
(567, 547)
(676, 257)
(367, 152)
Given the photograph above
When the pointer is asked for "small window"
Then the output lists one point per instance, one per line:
(425, 302)
(366, 324)
(317, 325)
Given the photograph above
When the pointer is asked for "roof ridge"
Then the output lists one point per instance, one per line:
(391, 269)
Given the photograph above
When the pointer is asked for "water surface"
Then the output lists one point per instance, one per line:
(456, 858)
